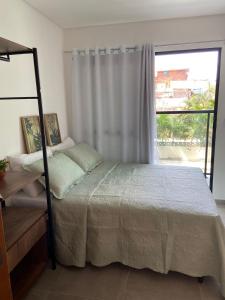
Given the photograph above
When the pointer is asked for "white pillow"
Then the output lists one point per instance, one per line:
(33, 189)
(16, 163)
(67, 143)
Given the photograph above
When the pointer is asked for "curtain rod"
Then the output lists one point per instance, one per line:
(104, 49)
(156, 45)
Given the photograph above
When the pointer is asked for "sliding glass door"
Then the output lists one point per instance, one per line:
(187, 84)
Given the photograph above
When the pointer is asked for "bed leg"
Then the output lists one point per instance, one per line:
(200, 279)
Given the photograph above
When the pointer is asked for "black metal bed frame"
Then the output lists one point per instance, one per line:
(5, 56)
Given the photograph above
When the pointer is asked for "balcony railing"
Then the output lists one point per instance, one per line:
(198, 130)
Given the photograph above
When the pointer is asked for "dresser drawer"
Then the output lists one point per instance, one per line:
(21, 247)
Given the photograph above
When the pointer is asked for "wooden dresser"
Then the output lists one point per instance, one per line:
(5, 287)
(23, 248)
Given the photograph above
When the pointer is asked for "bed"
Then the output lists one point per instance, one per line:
(158, 217)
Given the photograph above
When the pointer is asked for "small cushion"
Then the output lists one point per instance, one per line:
(63, 173)
(33, 189)
(85, 156)
(67, 143)
(16, 163)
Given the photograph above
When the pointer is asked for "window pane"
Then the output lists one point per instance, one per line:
(186, 81)
(182, 139)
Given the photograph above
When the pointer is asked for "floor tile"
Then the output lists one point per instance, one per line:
(58, 296)
(48, 280)
(92, 282)
(117, 282)
(210, 290)
(146, 284)
(36, 295)
(144, 295)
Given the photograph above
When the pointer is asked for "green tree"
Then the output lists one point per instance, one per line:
(188, 126)
(164, 126)
(201, 101)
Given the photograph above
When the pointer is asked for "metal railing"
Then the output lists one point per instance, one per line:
(208, 112)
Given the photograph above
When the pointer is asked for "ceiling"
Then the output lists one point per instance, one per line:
(80, 13)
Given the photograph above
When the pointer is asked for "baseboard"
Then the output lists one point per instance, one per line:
(220, 201)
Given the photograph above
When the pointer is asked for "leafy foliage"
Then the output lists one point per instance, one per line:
(37, 141)
(191, 127)
(36, 135)
(3, 164)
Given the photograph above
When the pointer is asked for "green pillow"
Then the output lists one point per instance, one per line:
(85, 156)
(63, 173)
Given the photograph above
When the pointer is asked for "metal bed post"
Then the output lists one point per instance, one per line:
(215, 117)
(8, 48)
(207, 144)
(46, 174)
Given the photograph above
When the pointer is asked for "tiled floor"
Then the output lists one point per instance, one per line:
(117, 282)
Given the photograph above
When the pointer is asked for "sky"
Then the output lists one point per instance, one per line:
(202, 65)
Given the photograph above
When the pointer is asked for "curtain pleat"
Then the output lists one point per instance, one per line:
(147, 121)
(113, 105)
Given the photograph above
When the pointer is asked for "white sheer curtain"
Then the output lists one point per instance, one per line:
(113, 102)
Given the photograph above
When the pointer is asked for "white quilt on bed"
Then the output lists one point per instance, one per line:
(158, 217)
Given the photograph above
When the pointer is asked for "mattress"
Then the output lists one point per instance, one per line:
(158, 217)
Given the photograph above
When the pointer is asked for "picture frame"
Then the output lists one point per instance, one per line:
(52, 129)
(31, 133)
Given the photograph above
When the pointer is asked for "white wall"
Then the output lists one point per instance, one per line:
(174, 31)
(24, 25)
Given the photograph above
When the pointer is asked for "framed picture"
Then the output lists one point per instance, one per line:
(52, 129)
(31, 133)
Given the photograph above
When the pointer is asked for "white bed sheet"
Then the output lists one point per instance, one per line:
(158, 217)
